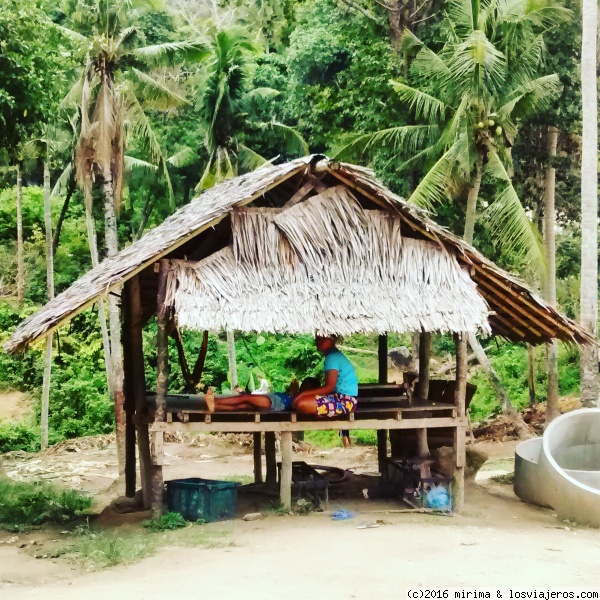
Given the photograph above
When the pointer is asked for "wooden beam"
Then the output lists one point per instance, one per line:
(382, 434)
(323, 425)
(162, 380)
(257, 452)
(312, 183)
(270, 455)
(285, 485)
(460, 391)
(130, 466)
(138, 378)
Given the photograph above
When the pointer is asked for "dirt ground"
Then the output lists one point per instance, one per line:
(496, 541)
(14, 405)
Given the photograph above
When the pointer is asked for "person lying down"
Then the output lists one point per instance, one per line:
(276, 401)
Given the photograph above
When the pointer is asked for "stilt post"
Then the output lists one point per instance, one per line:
(138, 384)
(423, 387)
(382, 355)
(285, 489)
(162, 378)
(270, 457)
(460, 391)
(130, 470)
(257, 450)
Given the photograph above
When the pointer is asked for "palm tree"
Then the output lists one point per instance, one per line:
(225, 99)
(467, 100)
(116, 85)
(589, 202)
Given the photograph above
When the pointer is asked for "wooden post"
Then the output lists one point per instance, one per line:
(270, 457)
(257, 457)
(129, 400)
(162, 378)
(138, 386)
(382, 355)
(460, 391)
(423, 387)
(285, 485)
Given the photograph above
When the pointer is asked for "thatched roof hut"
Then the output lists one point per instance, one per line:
(313, 245)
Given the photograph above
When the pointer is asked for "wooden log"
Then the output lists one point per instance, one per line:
(130, 466)
(382, 352)
(460, 391)
(285, 485)
(382, 450)
(257, 451)
(271, 458)
(138, 385)
(423, 387)
(162, 380)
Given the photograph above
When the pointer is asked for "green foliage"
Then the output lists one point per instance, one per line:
(167, 522)
(26, 504)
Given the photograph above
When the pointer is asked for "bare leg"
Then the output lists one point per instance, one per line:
(242, 401)
(306, 406)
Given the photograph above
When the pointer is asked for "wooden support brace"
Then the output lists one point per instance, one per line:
(157, 448)
(257, 452)
(382, 450)
(285, 489)
(271, 458)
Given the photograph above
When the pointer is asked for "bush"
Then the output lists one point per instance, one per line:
(166, 522)
(26, 504)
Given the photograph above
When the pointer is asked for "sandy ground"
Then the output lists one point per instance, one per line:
(496, 541)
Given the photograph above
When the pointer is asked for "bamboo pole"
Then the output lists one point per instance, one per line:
(285, 489)
(162, 378)
(423, 387)
(460, 391)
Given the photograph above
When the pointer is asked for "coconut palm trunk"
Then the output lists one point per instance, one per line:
(552, 410)
(589, 386)
(50, 287)
(20, 254)
(91, 233)
(114, 317)
(507, 406)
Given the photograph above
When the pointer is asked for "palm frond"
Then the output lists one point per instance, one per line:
(250, 160)
(172, 53)
(126, 36)
(294, 143)
(432, 189)
(261, 93)
(186, 156)
(476, 61)
(462, 15)
(429, 69)
(406, 138)
(62, 183)
(131, 163)
(508, 220)
(139, 127)
(154, 93)
(424, 105)
(80, 40)
(537, 13)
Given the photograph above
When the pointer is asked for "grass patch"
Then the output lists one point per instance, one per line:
(242, 479)
(506, 478)
(96, 549)
(29, 504)
(167, 522)
(331, 439)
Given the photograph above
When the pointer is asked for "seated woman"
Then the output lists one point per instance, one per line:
(277, 401)
(338, 395)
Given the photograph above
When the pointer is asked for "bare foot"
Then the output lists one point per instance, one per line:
(210, 399)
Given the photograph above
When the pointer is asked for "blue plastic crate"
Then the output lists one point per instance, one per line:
(206, 499)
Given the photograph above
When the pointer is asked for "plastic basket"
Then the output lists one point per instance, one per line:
(205, 499)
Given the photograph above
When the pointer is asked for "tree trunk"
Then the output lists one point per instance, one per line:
(589, 204)
(91, 233)
(477, 348)
(114, 315)
(233, 379)
(531, 373)
(63, 213)
(20, 254)
(50, 289)
(507, 406)
(472, 201)
(552, 410)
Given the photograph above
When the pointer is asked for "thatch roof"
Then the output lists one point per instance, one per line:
(318, 266)
(515, 312)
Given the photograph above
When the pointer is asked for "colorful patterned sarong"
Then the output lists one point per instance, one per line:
(334, 405)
